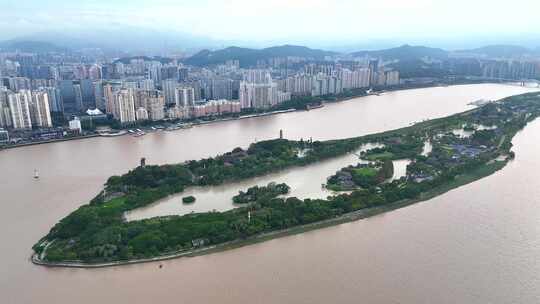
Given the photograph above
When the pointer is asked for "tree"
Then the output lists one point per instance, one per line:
(188, 199)
(387, 169)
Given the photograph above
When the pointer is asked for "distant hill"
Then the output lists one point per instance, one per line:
(249, 57)
(405, 53)
(124, 40)
(500, 51)
(30, 46)
(126, 60)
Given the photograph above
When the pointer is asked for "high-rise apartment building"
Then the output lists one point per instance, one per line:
(88, 98)
(19, 83)
(221, 89)
(392, 78)
(154, 72)
(40, 110)
(19, 105)
(169, 72)
(55, 99)
(374, 68)
(184, 97)
(359, 78)
(146, 85)
(326, 85)
(258, 95)
(124, 102)
(155, 105)
(99, 95)
(183, 74)
(69, 99)
(5, 115)
(153, 101)
(257, 76)
(108, 95)
(168, 87)
(79, 105)
(141, 114)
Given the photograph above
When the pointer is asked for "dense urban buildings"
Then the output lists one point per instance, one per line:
(76, 92)
(38, 94)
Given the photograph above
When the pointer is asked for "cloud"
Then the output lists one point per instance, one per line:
(261, 20)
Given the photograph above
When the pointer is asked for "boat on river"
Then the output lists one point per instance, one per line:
(113, 134)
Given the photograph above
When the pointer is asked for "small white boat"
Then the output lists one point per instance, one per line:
(36, 174)
(120, 133)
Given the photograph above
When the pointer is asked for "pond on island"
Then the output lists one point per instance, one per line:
(400, 165)
(466, 132)
(305, 182)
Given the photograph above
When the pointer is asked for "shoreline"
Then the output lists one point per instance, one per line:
(50, 141)
(462, 180)
(119, 135)
(263, 114)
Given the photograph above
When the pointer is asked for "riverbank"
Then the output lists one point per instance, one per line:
(459, 181)
(50, 141)
(146, 129)
(263, 114)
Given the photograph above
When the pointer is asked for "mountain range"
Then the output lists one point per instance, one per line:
(404, 53)
(250, 56)
(120, 39)
(30, 46)
(501, 51)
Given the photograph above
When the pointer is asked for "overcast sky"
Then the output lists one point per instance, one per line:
(279, 20)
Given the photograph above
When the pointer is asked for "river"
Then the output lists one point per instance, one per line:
(476, 244)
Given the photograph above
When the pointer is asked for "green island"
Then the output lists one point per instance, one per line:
(257, 193)
(464, 147)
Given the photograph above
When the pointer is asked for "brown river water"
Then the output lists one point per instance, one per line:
(476, 244)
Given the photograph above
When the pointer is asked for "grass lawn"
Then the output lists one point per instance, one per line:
(365, 172)
(380, 156)
(115, 203)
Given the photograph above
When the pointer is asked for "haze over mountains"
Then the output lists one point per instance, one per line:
(120, 38)
(206, 51)
(127, 39)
